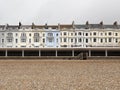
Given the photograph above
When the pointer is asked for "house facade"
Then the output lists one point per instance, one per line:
(60, 36)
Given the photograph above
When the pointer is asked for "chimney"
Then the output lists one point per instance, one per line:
(7, 25)
(33, 25)
(73, 24)
(19, 25)
(87, 25)
(115, 23)
(102, 25)
(58, 25)
(46, 26)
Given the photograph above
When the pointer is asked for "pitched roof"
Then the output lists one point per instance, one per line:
(95, 26)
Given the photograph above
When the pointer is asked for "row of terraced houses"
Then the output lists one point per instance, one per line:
(60, 40)
(60, 36)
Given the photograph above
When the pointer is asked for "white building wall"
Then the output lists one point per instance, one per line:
(73, 38)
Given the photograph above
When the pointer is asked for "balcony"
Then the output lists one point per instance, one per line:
(7, 37)
(23, 37)
(50, 35)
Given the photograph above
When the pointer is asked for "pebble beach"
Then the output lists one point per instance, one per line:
(59, 74)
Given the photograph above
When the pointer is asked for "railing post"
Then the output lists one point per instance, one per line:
(106, 53)
(72, 53)
(39, 53)
(56, 53)
(22, 53)
(6, 53)
(89, 53)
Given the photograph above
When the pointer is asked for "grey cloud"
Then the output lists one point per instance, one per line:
(58, 11)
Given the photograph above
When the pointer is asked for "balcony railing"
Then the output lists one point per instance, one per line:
(36, 36)
(9, 37)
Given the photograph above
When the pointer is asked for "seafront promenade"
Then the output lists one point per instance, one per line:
(60, 53)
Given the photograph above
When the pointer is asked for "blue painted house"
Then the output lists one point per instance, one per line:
(52, 38)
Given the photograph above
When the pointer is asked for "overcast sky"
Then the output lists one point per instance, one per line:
(59, 11)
